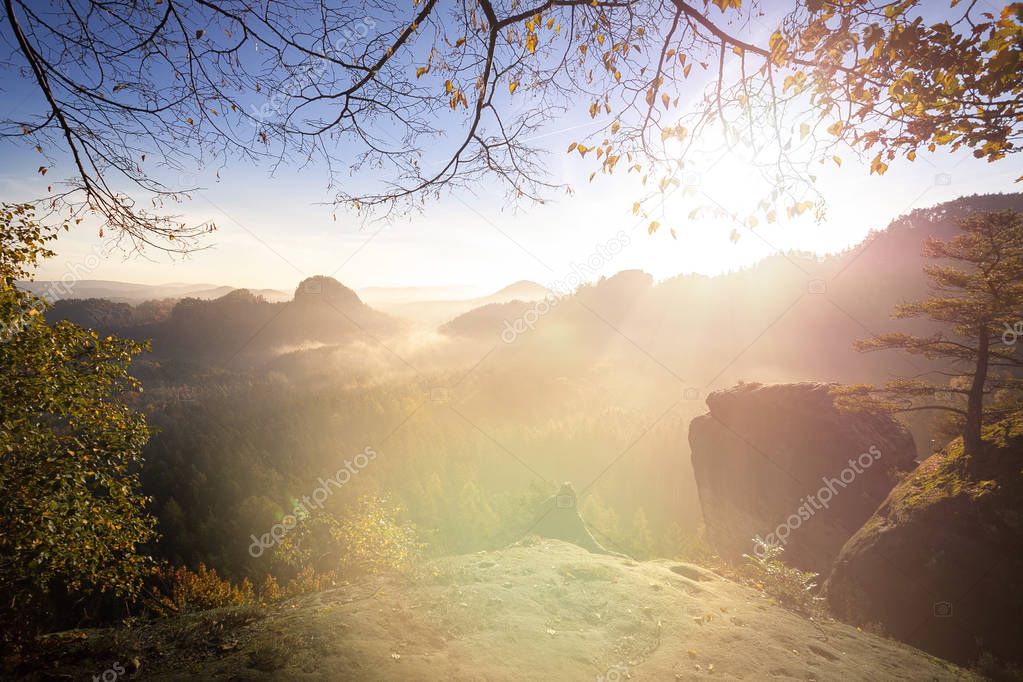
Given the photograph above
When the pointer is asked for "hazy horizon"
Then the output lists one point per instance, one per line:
(162, 269)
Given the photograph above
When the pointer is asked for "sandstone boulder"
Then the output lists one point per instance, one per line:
(782, 463)
(939, 564)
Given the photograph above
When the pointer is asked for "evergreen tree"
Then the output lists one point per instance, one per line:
(977, 287)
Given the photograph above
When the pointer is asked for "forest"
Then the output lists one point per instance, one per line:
(623, 339)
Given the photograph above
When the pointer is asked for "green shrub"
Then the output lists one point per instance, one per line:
(370, 538)
(791, 587)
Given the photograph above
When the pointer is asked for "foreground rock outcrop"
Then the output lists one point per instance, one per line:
(782, 463)
(939, 564)
(539, 610)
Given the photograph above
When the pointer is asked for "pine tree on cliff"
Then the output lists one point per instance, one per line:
(977, 299)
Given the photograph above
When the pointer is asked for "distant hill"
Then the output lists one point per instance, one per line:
(483, 320)
(128, 292)
(791, 317)
(107, 315)
(238, 327)
(434, 312)
(805, 302)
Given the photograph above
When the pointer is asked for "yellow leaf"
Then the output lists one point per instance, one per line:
(448, 86)
(615, 126)
(878, 166)
(653, 227)
(635, 207)
(804, 130)
(837, 159)
(512, 86)
(835, 128)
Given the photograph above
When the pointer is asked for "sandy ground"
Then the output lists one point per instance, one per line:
(546, 611)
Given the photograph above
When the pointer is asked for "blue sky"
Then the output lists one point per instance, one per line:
(274, 230)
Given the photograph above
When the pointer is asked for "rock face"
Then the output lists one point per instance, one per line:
(558, 518)
(782, 463)
(547, 610)
(939, 564)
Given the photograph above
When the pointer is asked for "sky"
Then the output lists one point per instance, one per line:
(275, 230)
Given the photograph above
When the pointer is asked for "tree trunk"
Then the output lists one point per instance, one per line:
(975, 402)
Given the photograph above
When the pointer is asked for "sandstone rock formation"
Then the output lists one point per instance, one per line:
(938, 565)
(782, 463)
(558, 518)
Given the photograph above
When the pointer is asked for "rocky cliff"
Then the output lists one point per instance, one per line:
(782, 463)
(939, 564)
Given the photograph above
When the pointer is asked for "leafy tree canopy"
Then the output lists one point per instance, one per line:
(69, 449)
(432, 95)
